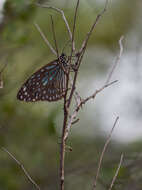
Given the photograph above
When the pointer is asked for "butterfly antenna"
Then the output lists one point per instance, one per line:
(65, 45)
(54, 36)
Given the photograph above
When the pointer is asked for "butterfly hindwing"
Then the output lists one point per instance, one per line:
(47, 84)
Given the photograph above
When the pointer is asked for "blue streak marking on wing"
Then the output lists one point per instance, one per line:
(52, 75)
(50, 66)
(45, 81)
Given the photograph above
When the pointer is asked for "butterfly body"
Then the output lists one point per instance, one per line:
(46, 84)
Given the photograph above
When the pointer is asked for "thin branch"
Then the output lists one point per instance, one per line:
(66, 114)
(82, 102)
(116, 61)
(45, 39)
(84, 44)
(116, 173)
(102, 154)
(106, 84)
(2, 70)
(63, 16)
(74, 26)
(80, 53)
(22, 167)
(96, 92)
(63, 143)
(54, 37)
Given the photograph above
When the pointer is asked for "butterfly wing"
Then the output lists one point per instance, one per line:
(47, 84)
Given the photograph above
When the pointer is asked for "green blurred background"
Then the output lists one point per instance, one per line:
(32, 131)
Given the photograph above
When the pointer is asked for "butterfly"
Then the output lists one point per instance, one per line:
(46, 84)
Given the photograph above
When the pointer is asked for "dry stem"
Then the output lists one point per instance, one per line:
(107, 83)
(74, 26)
(116, 173)
(102, 154)
(68, 98)
(84, 44)
(82, 102)
(116, 61)
(22, 167)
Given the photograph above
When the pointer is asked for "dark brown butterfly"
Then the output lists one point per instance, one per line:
(46, 84)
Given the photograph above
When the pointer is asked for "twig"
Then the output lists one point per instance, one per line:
(102, 154)
(66, 105)
(84, 44)
(116, 61)
(63, 16)
(74, 25)
(82, 102)
(1, 71)
(96, 92)
(116, 173)
(63, 143)
(106, 84)
(22, 167)
(3, 68)
(45, 39)
(80, 53)
(74, 122)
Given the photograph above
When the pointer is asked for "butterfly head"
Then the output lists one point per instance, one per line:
(63, 59)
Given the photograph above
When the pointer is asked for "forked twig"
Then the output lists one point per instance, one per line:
(82, 102)
(102, 154)
(81, 52)
(116, 173)
(106, 84)
(22, 167)
(45, 39)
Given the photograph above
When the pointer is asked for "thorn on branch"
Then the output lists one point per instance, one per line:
(69, 148)
(74, 122)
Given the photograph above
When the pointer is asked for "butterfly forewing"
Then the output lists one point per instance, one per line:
(47, 84)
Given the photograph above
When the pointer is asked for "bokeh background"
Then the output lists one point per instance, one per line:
(32, 131)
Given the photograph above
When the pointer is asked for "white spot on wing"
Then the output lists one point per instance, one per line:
(24, 88)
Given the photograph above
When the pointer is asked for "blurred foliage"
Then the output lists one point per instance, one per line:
(30, 131)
